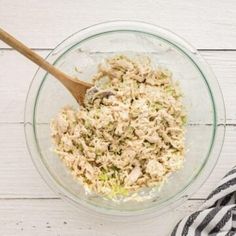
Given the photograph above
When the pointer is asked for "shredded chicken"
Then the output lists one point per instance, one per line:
(130, 135)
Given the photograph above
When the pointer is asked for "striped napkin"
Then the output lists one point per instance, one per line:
(217, 216)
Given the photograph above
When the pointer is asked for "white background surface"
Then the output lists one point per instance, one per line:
(27, 205)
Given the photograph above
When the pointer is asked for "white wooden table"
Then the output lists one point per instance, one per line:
(27, 205)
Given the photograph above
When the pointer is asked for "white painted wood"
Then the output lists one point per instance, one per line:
(17, 71)
(19, 179)
(43, 24)
(55, 218)
(25, 207)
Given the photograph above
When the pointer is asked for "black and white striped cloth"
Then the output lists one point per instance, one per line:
(217, 216)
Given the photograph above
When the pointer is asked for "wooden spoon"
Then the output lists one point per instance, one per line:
(77, 88)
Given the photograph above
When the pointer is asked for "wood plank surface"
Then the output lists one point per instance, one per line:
(55, 218)
(27, 205)
(43, 24)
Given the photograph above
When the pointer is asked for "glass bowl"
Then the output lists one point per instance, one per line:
(85, 50)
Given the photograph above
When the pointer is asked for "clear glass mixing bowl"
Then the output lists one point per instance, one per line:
(85, 49)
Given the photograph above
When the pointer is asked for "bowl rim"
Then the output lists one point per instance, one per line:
(211, 160)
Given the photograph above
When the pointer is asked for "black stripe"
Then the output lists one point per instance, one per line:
(227, 199)
(223, 221)
(189, 222)
(222, 187)
(231, 233)
(175, 229)
(207, 220)
(234, 217)
(215, 204)
(230, 172)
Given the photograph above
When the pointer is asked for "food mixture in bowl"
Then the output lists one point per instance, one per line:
(128, 135)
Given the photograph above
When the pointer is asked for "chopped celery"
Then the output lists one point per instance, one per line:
(118, 190)
(103, 177)
(184, 120)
